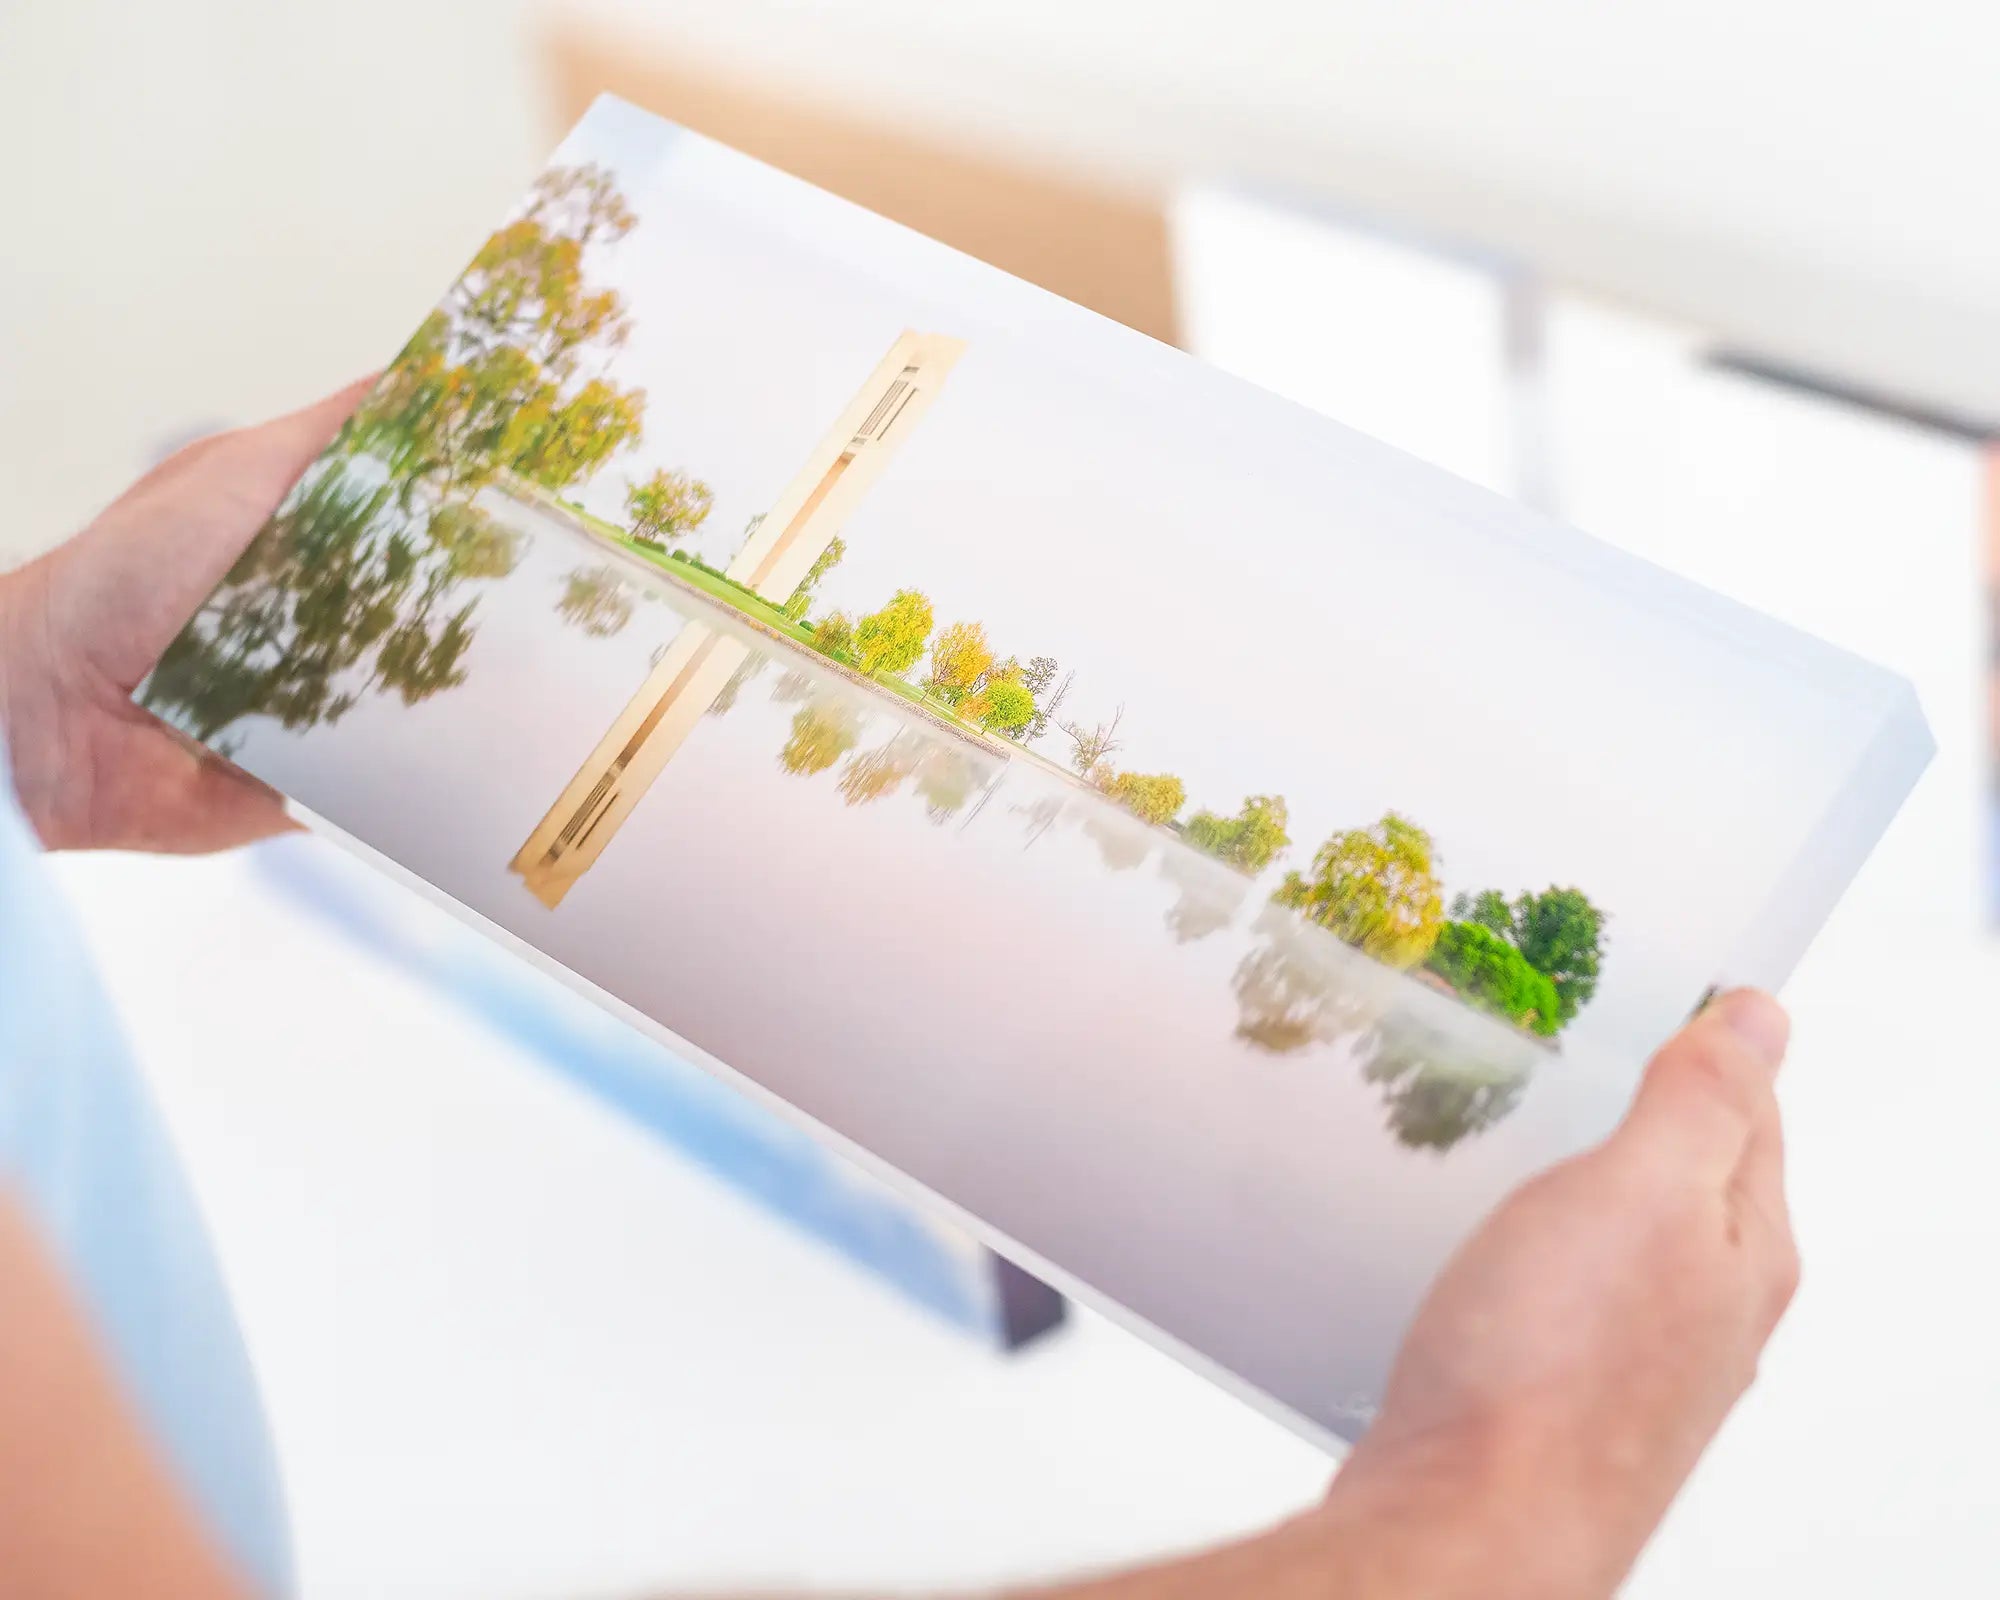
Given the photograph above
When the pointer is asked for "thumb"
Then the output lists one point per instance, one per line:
(1709, 1089)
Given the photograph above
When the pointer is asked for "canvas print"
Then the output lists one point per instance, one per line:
(1211, 856)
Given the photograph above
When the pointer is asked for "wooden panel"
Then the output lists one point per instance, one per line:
(1102, 247)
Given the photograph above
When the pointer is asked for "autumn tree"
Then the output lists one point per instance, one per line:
(892, 639)
(1375, 888)
(834, 635)
(1249, 841)
(491, 379)
(960, 657)
(668, 506)
(800, 600)
(1153, 797)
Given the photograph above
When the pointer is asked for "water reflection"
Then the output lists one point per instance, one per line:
(1212, 896)
(1299, 990)
(594, 600)
(348, 592)
(352, 593)
(1442, 1075)
(822, 733)
(882, 771)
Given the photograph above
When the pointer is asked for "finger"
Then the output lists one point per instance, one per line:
(1708, 1089)
(186, 800)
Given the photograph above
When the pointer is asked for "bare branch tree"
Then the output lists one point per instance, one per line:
(1094, 745)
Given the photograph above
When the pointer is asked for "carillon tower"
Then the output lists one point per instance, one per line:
(692, 671)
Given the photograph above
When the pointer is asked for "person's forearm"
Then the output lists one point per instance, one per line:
(1446, 1520)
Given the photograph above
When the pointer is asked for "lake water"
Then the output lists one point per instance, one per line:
(1106, 1045)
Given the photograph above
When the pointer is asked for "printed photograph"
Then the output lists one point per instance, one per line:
(1217, 854)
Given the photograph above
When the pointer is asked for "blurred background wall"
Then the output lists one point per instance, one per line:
(513, 1346)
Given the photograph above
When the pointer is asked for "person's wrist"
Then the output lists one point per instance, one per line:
(1493, 1509)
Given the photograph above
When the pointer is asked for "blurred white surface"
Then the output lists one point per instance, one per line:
(1813, 178)
(216, 211)
(515, 1348)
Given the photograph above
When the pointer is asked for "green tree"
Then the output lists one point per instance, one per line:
(1249, 841)
(1492, 976)
(1376, 889)
(829, 558)
(1153, 797)
(1488, 908)
(669, 505)
(960, 657)
(1559, 933)
(1562, 935)
(1001, 704)
(595, 600)
(891, 640)
(1038, 674)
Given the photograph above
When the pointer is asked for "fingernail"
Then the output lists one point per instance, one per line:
(1758, 1020)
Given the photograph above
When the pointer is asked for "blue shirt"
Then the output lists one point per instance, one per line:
(83, 1152)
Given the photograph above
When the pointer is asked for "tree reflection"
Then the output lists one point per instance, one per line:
(947, 780)
(1297, 988)
(1122, 845)
(793, 686)
(1041, 816)
(1444, 1075)
(595, 600)
(881, 771)
(725, 700)
(336, 598)
(1434, 1091)
(822, 733)
(475, 543)
(1210, 896)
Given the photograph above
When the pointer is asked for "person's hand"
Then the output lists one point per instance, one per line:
(1569, 1365)
(1577, 1355)
(81, 626)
